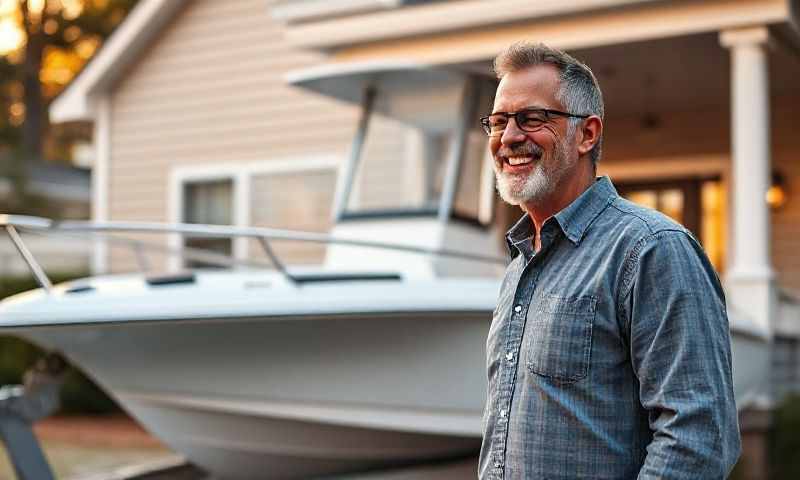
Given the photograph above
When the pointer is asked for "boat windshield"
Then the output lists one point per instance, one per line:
(410, 139)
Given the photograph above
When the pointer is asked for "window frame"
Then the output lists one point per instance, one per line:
(241, 175)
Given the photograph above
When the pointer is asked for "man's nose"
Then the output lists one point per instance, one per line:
(512, 133)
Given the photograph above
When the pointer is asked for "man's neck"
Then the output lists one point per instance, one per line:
(561, 198)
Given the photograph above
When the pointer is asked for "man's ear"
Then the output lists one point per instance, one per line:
(591, 131)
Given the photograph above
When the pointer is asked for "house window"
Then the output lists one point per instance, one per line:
(208, 202)
(697, 204)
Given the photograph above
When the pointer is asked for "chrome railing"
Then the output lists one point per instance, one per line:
(14, 224)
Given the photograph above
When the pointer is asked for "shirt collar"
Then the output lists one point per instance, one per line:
(574, 220)
(517, 237)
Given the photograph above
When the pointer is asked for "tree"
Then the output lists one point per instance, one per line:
(43, 44)
(55, 39)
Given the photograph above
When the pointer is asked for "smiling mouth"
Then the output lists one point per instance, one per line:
(519, 160)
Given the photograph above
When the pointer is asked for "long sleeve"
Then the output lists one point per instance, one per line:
(681, 354)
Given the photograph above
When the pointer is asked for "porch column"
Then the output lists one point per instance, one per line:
(750, 276)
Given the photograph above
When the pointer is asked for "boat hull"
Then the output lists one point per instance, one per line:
(293, 397)
(249, 377)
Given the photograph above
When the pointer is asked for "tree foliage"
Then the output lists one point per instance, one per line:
(55, 39)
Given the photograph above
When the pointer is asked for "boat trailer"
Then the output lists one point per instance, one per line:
(21, 406)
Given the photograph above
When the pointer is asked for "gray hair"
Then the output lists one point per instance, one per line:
(579, 91)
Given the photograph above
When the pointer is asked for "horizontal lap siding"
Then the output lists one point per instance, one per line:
(293, 201)
(209, 91)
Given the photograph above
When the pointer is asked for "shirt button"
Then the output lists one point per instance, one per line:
(510, 356)
(503, 413)
(518, 309)
(498, 463)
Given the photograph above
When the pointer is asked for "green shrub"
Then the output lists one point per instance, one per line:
(81, 395)
(13, 285)
(16, 355)
(78, 394)
(784, 441)
(739, 471)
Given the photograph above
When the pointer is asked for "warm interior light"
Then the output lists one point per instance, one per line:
(776, 194)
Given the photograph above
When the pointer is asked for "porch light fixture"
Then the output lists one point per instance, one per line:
(777, 195)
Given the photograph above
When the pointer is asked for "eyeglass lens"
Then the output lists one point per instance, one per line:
(527, 120)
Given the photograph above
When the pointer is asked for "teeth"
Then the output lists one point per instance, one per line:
(519, 160)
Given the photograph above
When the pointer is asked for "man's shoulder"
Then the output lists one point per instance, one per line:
(639, 222)
(641, 229)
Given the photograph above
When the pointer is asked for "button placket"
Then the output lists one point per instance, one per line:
(516, 326)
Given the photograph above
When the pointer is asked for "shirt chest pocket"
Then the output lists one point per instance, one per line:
(559, 336)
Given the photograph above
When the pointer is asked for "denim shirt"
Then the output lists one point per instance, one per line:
(609, 353)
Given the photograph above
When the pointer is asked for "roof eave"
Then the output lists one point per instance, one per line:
(327, 34)
(121, 49)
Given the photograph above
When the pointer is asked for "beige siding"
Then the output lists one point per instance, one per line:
(294, 201)
(211, 91)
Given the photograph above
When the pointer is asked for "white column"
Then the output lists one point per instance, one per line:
(750, 276)
(241, 212)
(100, 179)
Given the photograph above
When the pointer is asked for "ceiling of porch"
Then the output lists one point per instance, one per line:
(678, 74)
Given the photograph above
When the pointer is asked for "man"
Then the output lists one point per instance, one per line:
(609, 352)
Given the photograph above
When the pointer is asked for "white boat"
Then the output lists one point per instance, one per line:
(244, 374)
(373, 361)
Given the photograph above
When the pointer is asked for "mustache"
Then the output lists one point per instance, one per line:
(524, 149)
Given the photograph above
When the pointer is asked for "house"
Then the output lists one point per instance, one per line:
(194, 120)
(58, 191)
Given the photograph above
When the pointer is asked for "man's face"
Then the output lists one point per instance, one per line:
(531, 166)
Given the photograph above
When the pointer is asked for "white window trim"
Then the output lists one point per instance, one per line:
(100, 182)
(241, 174)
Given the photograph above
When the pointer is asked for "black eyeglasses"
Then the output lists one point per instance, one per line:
(528, 120)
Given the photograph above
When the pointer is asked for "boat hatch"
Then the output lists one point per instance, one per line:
(173, 279)
(79, 289)
(319, 277)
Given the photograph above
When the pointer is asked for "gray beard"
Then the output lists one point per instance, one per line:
(538, 185)
(516, 190)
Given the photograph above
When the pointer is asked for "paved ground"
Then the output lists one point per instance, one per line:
(116, 448)
(82, 447)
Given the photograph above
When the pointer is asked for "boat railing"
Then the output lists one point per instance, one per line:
(16, 224)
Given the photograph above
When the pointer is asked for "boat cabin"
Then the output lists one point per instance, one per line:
(419, 172)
